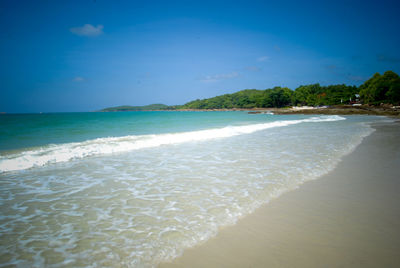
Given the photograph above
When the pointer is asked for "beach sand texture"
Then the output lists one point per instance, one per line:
(348, 218)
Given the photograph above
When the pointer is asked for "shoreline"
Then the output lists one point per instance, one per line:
(384, 110)
(333, 110)
(348, 217)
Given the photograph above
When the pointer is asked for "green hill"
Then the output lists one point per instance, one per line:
(378, 89)
(248, 98)
(126, 108)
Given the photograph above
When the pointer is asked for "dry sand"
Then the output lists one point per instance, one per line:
(347, 218)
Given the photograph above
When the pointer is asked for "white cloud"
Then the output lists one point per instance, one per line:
(253, 68)
(263, 58)
(218, 77)
(87, 30)
(331, 67)
(387, 58)
(78, 79)
(357, 78)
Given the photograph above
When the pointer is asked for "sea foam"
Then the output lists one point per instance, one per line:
(144, 207)
(56, 153)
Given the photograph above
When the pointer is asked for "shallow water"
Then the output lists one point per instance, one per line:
(139, 199)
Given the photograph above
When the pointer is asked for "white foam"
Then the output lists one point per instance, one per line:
(68, 151)
(147, 206)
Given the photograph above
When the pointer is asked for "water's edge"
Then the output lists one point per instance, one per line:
(276, 195)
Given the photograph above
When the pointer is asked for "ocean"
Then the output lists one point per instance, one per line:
(134, 189)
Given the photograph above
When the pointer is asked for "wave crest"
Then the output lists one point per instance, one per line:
(56, 153)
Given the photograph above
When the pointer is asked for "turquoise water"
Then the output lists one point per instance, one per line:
(137, 188)
(29, 130)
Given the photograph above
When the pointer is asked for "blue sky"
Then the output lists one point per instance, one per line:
(86, 55)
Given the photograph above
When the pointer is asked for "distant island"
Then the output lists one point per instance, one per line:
(376, 91)
(125, 108)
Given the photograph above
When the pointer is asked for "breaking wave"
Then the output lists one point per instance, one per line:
(56, 153)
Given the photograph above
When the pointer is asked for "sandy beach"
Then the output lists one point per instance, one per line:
(350, 217)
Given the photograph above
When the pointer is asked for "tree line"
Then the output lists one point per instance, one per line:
(127, 108)
(376, 90)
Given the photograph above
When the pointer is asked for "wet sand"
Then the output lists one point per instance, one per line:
(347, 218)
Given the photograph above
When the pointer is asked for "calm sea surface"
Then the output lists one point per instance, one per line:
(132, 189)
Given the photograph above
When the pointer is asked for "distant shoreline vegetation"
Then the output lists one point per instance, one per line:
(375, 91)
(151, 107)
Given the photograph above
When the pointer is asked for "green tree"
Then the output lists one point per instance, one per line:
(280, 97)
(306, 95)
(381, 89)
